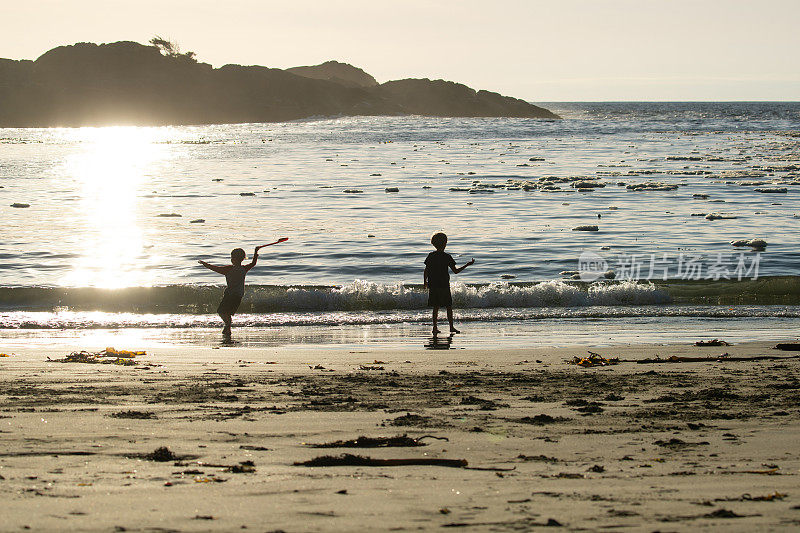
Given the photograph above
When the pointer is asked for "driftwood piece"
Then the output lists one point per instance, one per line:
(359, 460)
(399, 441)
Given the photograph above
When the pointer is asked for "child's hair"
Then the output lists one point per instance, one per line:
(439, 241)
(238, 255)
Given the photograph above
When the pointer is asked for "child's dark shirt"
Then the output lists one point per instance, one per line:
(438, 263)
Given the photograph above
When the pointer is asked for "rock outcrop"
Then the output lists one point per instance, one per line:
(341, 73)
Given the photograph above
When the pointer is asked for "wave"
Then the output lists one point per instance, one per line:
(369, 296)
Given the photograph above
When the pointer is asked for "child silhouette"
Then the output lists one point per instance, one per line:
(234, 276)
(437, 280)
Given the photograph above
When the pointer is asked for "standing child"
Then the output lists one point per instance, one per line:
(437, 280)
(234, 276)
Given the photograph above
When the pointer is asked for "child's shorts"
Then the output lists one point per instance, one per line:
(229, 304)
(439, 297)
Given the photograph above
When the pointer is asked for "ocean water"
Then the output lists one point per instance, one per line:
(119, 217)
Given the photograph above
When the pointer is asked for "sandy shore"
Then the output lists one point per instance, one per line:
(665, 447)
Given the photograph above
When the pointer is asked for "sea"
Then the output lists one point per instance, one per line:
(621, 222)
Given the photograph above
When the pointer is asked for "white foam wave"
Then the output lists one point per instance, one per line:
(367, 295)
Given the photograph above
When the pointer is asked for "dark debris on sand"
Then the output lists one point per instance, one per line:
(136, 415)
(160, 455)
(540, 420)
(398, 441)
(411, 419)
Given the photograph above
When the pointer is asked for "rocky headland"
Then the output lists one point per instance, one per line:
(127, 83)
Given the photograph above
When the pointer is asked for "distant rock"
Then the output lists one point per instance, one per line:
(586, 228)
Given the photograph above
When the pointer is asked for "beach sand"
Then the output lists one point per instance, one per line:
(667, 447)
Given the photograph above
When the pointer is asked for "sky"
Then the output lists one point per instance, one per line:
(539, 50)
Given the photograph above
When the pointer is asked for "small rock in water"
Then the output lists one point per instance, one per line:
(426, 186)
(700, 196)
(247, 194)
(652, 186)
(376, 174)
(588, 184)
(197, 221)
(776, 190)
(391, 189)
(719, 216)
(370, 235)
(170, 215)
(586, 228)
(753, 243)
(352, 191)
(508, 276)
(605, 247)
(217, 179)
(20, 206)
(536, 159)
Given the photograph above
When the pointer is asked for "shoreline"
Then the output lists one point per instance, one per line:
(509, 334)
(648, 446)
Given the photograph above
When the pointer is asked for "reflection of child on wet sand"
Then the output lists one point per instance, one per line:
(234, 276)
(437, 279)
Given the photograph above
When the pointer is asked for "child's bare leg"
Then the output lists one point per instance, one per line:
(435, 319)
(227, 319)
(450, 320)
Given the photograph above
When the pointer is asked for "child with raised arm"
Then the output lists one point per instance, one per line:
(234, 276)
(437, 280)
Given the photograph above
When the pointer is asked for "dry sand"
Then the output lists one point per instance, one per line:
(668, 447)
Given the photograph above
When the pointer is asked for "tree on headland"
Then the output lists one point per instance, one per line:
(171, 48)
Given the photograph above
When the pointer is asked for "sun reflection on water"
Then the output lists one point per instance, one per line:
(110, 168)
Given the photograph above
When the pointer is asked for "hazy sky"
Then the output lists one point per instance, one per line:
(540, 50)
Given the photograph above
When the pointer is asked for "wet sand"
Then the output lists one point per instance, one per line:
(667, 447)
